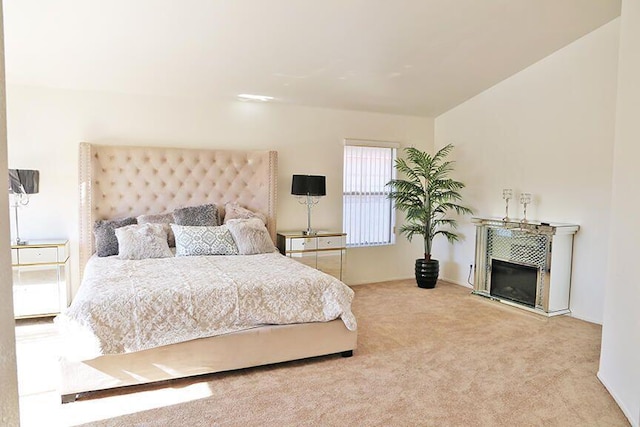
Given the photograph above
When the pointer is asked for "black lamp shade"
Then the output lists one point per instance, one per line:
(24, 181)
(309, 185)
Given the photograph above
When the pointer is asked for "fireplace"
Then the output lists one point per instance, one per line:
(513, 281)
(524, 263)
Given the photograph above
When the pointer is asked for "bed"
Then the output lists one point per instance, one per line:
(120, 181)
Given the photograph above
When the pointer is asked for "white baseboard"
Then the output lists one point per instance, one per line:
(586, 319)
(386, 279)
(455, 282)
(391, 279)
(467, 285)
(633, 420)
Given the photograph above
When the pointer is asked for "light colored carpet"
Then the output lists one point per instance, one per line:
(438, 357)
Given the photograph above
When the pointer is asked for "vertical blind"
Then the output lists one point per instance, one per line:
(368, 214)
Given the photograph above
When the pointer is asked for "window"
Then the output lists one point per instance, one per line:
(368, 215)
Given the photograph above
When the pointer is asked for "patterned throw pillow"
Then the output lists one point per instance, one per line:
(165, 218)
(206, 215)
(202, 240)
(251, 236)
(143, 241)
(103, 231)
(235, 211)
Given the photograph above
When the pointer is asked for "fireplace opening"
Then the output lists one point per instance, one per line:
(514, 282)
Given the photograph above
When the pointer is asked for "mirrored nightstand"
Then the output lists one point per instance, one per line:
(40, 277)
(325, 251)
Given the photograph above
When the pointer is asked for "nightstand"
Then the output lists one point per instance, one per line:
(325, 251)
(40, 277)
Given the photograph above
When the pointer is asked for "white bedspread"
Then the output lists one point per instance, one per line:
(132, 305)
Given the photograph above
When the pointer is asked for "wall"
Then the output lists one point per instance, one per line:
(9, 412)
(619, 367)
(547, 130)
(45, 126)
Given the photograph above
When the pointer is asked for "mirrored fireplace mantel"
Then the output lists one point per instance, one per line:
(528, 262)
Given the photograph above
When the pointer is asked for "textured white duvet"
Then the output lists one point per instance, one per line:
(131, 305)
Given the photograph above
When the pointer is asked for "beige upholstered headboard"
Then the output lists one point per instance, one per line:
(120, 181)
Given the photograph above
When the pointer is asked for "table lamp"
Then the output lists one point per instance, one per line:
(22, 183)
(308, 189)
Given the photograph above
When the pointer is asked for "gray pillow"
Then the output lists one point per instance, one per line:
(103, 231)
(165, 218)
(203, 240)
(203, 215)
(143, 241)
(251, 236)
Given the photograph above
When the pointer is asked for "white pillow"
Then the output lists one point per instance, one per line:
(142, 241)
(203, 240)
(164, 219)
(251, 236)
(235, 211)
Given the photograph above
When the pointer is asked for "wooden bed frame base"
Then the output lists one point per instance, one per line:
(254, 347)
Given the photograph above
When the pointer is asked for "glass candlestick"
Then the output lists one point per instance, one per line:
(525, 199)
(507, 194)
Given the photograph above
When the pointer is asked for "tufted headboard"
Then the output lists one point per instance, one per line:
(120, 181)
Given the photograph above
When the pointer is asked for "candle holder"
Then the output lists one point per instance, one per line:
(525, 199)
(507, 194)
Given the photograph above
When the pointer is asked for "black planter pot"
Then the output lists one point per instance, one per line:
(427, 273)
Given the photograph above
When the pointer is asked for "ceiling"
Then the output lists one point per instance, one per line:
(411, 57)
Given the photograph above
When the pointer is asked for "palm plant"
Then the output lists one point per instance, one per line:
(426, 194)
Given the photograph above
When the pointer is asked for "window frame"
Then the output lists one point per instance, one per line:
(390, 226)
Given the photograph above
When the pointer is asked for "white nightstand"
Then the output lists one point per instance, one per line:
(325, 250)
(40, 277)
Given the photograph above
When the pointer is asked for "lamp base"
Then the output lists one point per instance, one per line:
(309, 232)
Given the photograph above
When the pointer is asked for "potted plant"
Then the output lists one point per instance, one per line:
(426, 194)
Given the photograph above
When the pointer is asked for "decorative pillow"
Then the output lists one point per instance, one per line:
(165, 218)
(203, 215)
(251, 236)
(143, 241)
(103, 231)
(202, 240)
(235, 211)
